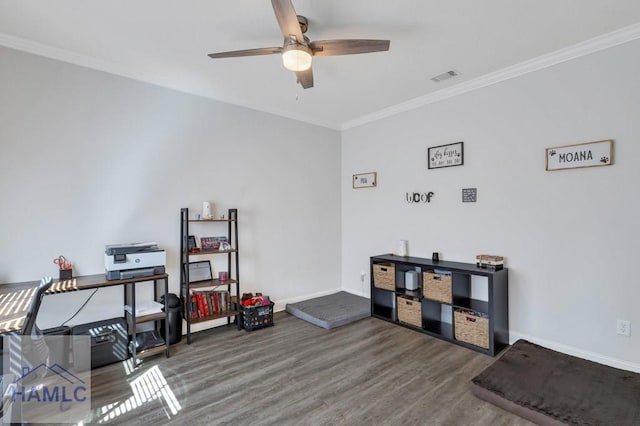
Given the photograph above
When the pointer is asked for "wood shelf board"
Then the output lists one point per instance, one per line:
(208, 252)
(151, 351)
(228, 314)
(212, 220)
(151, 317)
(211, 283)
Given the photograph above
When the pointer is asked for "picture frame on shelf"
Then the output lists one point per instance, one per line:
(200, 271)
(191, 243)
(213, 243)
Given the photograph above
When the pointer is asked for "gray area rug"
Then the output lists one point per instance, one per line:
(552, 388)
(333, 310)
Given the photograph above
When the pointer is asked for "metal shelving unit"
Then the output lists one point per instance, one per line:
(232, 284)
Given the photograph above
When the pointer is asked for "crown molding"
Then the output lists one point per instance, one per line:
(587, 47)
(63, 55)
(584, 48)
(87, 61)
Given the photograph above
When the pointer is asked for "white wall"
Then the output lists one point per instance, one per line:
(571, 238)
(88, 159)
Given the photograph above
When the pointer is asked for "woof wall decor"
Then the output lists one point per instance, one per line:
(419, 197)
(446, 155)
(590, 154)
(365, 180)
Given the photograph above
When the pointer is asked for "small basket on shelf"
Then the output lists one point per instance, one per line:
(471, 327)
(436, 286)
(384, 276)
(409, 310)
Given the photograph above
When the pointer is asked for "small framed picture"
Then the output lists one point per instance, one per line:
(365, 180)
(208, 243)
(200, 271)
(191, 243)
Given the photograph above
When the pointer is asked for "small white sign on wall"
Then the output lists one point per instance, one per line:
(591, 154)
(445, 155)
(365, 180)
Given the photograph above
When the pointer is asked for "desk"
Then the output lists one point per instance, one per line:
(16, 297)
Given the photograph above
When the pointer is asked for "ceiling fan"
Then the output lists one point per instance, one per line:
(297, 49)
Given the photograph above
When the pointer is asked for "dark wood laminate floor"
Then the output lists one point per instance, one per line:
(368, 372)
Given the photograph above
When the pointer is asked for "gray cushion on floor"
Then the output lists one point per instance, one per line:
(552, 388)
(333, 310)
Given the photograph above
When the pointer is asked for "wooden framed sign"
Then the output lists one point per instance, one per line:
(446, 155)
(590, 154)
(365, 180)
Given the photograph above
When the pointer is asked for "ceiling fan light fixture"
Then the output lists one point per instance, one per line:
(296, 57)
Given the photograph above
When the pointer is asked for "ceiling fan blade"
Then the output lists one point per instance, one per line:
(347, 47)
(287, 19)
(305, 78)
(248, 52)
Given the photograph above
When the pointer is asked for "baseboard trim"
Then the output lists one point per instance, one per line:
(355, 292)
(580, 353)
(280, 305)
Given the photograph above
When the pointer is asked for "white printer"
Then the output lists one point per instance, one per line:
(133, 260)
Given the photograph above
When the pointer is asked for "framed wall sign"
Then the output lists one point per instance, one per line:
(590, 154)
(469, 195)
(365, 180)
(446, 155)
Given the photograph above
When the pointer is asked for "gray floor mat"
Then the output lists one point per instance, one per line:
(333, 310)
(552, 388)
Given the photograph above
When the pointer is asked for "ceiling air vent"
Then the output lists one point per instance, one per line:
(445, 76)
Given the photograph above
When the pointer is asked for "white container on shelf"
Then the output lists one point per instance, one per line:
(403, 248)
(411, 280)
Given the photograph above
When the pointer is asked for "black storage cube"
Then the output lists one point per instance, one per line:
(109, 343)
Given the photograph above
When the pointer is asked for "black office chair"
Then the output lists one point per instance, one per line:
(34, 350)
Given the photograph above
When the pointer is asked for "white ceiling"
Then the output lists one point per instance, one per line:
(166, 42)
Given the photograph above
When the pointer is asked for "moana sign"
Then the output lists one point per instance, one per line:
(591, 154)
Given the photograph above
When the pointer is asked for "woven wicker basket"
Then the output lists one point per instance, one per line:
(384, 276)
(409, 310)
(436, 287)
(471, 329)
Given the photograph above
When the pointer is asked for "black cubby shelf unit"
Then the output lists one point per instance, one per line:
(231, 284)
(479, 296)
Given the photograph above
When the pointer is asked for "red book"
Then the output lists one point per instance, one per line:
(201, 311)
(207, 300)
(207, 312)
(194, 306)
(216, 303)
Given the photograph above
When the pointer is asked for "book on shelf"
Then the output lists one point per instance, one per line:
(193, 306)
(214, 300)
(205, 303)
